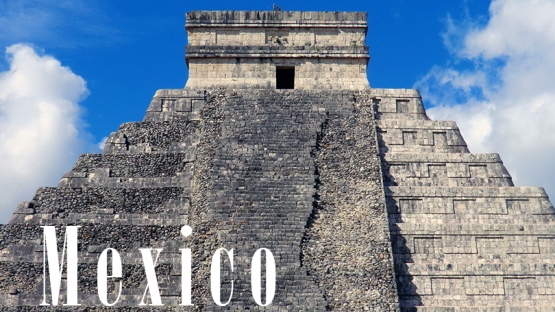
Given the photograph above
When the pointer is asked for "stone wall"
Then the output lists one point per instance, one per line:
(464, 238)
(277, 36)
(365, 202)
(325, 74)
(296, 171)
(242, 49)
(245, 169)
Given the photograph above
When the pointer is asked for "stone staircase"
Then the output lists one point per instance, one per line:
(246, 169)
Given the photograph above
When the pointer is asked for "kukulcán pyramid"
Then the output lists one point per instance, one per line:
(278, 141)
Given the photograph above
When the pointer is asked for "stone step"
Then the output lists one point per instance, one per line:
(470, 227)
(398, 104)
(24, 244)
(419, 136)
(497, 306)
(176, 105)
(446, 295)
(132, 165)
(90, 200)
(522, 192)
(485, 243)
(444, 169)
(153, 137)
(470, 285)
(515, 219)
(130, 171)
(477, 200)
(102, 205)
(474, 264)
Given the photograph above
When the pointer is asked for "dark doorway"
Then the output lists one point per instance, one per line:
(285, 77)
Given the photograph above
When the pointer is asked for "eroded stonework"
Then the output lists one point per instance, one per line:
(464, 238)
(365, 202)
(246, 169)
(241, 49)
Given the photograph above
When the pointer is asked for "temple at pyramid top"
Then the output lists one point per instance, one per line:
(277, 49)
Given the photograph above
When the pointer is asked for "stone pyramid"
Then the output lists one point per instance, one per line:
(277, 141)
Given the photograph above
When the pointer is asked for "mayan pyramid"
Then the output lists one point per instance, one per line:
(278, 141)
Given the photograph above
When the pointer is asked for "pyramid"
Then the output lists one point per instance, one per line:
(278, 142)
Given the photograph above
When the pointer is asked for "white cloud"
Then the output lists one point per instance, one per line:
(102, 142)
(501, 90)
(40, 135)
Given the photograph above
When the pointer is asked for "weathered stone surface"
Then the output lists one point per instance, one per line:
(252, 185)
(345, 247)
(463, 237)
(327, 49)
(365, 202)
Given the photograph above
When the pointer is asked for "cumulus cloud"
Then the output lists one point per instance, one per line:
(40, 135)
(500, 87)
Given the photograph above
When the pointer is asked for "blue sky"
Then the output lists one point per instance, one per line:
(100, 62)
(125, 50)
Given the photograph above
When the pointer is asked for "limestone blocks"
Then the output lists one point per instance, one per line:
(463, 236)
(245, 49)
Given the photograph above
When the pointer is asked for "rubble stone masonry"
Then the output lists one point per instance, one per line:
(365, 203)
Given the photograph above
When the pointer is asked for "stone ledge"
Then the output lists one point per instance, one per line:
(276, 19)
(443, 157)
(503, 191)
(389, 92)
(276, 51)
(418, 124)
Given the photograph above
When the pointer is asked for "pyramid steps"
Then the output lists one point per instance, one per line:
(463, 237)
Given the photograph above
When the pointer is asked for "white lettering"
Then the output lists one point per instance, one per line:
(215, 276)
(186, 277)
(102, 275)
(256, 269)
(50, 251)
(152, 282)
